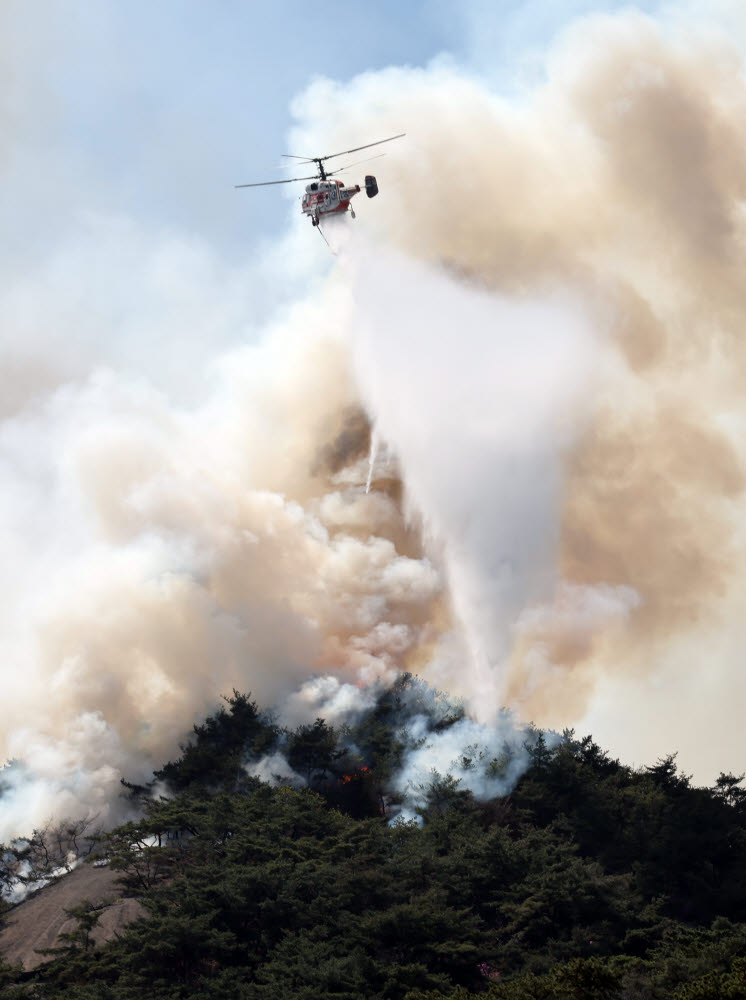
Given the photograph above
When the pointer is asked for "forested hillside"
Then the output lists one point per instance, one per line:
(589, 880)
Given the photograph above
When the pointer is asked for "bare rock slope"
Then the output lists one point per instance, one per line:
(40, 919)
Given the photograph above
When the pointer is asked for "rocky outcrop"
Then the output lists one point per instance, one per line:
(38, 921)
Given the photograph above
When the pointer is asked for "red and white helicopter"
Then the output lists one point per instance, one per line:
(326, 195)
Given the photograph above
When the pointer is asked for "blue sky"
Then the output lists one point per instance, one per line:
(157, 110)
(124, 127)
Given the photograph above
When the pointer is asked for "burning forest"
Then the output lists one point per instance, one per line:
(267, 862)
(439, 501)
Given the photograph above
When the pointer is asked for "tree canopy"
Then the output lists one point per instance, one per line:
(589, 880)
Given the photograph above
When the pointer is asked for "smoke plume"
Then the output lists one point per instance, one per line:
(539, 319)
(593, 551)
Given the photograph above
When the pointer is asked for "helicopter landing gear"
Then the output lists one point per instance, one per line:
(314, 220)
(352, 213)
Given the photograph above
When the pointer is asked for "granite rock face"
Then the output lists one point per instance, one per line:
(38, 921)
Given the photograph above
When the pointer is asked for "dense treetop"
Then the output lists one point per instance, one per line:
(590, 880)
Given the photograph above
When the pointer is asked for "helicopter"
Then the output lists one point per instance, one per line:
(326, 195)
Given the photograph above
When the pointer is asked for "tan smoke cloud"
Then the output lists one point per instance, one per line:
(552, 355)
(622, 180)
(183, 553)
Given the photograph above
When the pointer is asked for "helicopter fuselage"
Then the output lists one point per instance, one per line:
(327, 197)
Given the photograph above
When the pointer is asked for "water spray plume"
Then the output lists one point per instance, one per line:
(371, 461)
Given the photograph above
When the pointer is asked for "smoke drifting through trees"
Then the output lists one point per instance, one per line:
(552, 355)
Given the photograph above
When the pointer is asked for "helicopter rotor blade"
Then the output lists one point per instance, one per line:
(284, 166)
(358, 148)
(346, 166)
(289, 180)
(319, 159)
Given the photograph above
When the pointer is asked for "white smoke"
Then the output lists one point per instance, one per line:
(275, 770)
(336, 701)
(28, 881)
(444, 754)
(486, 760)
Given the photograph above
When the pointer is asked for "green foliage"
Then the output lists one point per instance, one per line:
(9, 974)
(730, 985)
(88, 916)
(727, 787)
(312, 751)
(593, 881)
(220, 746)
